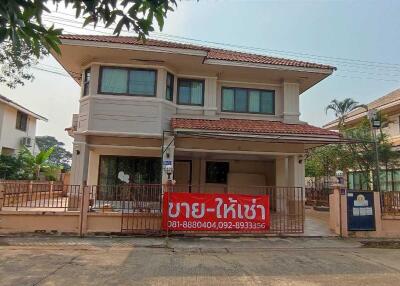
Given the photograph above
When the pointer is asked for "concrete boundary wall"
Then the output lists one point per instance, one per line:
(34, 221)
(69, 222)
(80, 222)
(386, 226)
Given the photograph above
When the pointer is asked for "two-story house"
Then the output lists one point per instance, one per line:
(17, 127)
(222, 119)
(389, 106)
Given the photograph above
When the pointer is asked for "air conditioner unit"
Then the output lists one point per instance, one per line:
(26, 141)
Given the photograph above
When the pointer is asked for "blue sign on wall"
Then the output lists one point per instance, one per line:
(360, 211)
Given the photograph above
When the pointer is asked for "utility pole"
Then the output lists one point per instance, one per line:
(375, 123)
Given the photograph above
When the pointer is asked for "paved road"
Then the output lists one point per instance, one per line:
(210, 261)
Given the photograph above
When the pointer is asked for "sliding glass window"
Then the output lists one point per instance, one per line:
(116, 170)
(190, 92)
(245, 100)
(125, 81)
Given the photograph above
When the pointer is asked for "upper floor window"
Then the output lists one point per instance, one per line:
(22, 121)
(86, 81)
(248, 100)
(127, 81)
(190, 91)
(169, 93)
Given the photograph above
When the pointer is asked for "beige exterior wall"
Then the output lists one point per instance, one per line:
(126, 117)
(10, 137)
(150, 115)
(242, 173)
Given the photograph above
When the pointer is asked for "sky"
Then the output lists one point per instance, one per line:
(360, 38)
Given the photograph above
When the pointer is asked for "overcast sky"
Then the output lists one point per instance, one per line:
(361, 38)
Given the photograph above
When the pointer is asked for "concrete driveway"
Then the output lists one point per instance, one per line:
(207, 261)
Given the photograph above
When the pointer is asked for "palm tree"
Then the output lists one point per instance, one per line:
(342, 108)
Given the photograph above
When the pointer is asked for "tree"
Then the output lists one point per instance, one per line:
(361, 148)
(342, 108)
(21, 20)
(24, 38)
(324, 161)
(36, 162)
(16, 62)
(357, 153)
(13, 168)
(60, 156)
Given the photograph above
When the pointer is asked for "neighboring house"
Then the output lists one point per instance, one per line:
(389, 106)
(221, 118)
(17, 127)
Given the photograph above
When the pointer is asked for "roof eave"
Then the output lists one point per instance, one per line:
(24, 110)
(327, 71)
(126, 46)
(311, 138)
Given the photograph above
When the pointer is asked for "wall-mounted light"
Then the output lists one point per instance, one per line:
(78, 152)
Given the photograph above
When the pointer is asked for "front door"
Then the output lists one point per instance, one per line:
(183, 175)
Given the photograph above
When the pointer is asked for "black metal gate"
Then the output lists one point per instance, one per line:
(287, 211)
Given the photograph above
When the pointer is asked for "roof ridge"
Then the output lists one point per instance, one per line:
(224, 54)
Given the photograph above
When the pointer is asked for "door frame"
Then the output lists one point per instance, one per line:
(190, 171)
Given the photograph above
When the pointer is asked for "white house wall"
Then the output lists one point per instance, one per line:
(11, 136)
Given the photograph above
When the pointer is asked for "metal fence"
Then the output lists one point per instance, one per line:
(141, 205)
(144, 198)
(390, 202)
(317, 197)
(39, 196)
(286, 203)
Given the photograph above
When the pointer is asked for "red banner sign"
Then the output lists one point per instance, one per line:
(215, 212)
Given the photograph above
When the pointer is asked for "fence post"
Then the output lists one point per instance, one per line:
(30, 191)
(51, 188)
(378, 214)
(338, 210)
(83, 210)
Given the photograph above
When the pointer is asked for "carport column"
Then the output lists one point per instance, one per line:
(80, 161)
(281, 166)
(167, 158)
(79, 169)
(296, 181)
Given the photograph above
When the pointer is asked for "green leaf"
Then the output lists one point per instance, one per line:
(88, 20)
(160, 20)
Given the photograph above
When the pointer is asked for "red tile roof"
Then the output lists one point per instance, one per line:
(250, 126)
(212, 53)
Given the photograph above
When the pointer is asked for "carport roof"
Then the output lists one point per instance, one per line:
(251, 127)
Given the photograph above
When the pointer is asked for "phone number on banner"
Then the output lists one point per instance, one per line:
(216, 225)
